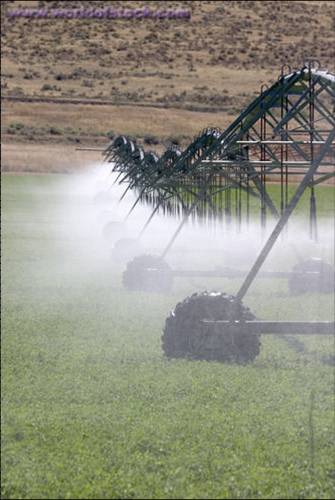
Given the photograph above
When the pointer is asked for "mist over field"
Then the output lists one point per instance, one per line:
(89, 391)
(91, 201)
(80, 207)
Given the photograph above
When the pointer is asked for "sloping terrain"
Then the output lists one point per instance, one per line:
(216, 58)
(216, 61)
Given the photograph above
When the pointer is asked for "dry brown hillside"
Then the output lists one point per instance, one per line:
(215, 61)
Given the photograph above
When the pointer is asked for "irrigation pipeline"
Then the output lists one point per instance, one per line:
(223, 176)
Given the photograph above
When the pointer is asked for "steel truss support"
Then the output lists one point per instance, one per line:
(284, 218)
(280, 132)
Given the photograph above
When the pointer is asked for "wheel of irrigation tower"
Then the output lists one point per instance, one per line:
(125, 249)
(185, 337)
(312, 275)
(148, 273)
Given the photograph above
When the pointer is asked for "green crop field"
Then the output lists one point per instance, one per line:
(92, 409)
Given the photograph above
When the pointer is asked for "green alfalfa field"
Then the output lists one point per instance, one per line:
(92, 409)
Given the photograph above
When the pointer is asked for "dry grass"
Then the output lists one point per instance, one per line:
(215, 61)
(87, 120)
(40, 158)
(17, 155)
(219, 57)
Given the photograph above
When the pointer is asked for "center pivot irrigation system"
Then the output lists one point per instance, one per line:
(288, 130)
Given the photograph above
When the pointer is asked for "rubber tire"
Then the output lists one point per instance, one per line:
(185, 337)
(308, 281)
(148, 273)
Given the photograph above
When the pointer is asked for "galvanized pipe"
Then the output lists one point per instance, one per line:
(273, 327)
